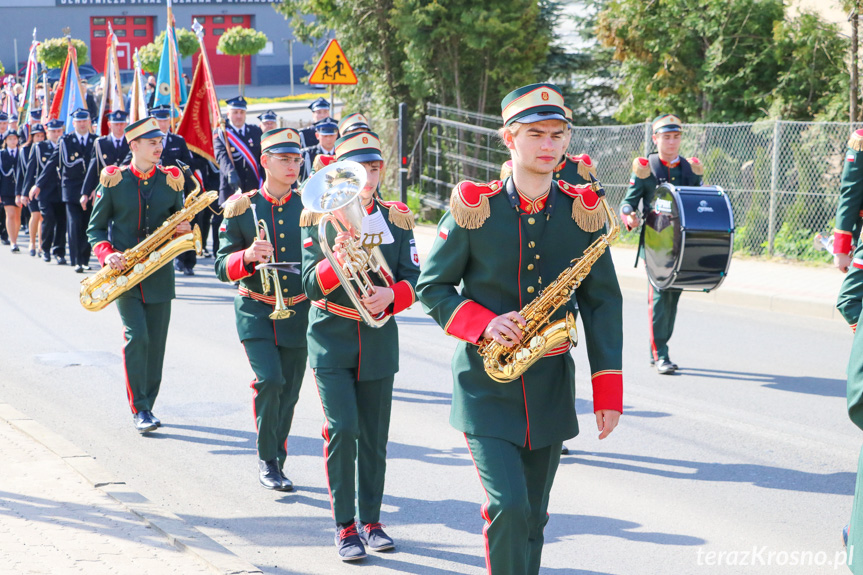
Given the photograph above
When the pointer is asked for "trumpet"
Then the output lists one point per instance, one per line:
(335, 192)
(270, 272)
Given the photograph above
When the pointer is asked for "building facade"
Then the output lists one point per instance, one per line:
(137, 22)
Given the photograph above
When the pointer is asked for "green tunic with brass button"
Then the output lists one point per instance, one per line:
(849, 215)
(132, 205)
(276, 348)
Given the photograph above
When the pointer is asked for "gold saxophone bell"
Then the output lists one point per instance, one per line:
(270, 275)
(335, 192)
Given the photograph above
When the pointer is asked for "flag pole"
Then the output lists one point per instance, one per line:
(171, 63)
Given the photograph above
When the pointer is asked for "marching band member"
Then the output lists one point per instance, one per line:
(326, 133)
(849, 217)
(49, 198)
(8, 186)
(35, 134)
(355, 364)
(269, 121)
(648, 173)
(276, 348)
(502, 242)
(133, 201)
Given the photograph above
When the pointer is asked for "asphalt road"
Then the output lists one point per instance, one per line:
(747, 449)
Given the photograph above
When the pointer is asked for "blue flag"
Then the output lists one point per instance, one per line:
(72, 97)
(170, 60)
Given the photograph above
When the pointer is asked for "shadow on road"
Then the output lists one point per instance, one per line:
(823, 386)
(839, 483)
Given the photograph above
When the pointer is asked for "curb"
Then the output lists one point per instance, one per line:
(180, 534)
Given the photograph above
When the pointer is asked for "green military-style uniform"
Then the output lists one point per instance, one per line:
(502, 249)
(847, 228)
(354, 363)
(855, 412)
(662, 304)
(276, 348)
(132, 205)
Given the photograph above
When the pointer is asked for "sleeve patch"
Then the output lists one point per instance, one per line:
(307, 243)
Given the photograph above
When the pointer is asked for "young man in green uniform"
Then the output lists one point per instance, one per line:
(502, 242)
(276, 348)
(133, 201)
(665, 166)
(849, 215)
(355, 364)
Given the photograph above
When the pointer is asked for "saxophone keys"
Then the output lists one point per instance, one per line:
(522, 354)
(122, 281)
(98, 293)
(155, 256)
(139, 268)
(537, 342)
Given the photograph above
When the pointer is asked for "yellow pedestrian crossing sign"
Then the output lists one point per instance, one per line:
(333, 67)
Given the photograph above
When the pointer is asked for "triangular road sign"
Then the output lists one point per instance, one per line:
(333, 67)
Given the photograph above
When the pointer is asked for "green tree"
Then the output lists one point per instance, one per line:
(242, 42)
(53, 52)
(151, 54)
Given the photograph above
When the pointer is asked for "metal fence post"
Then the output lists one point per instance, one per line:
(774, 184)
(403, 158)
(647, 139)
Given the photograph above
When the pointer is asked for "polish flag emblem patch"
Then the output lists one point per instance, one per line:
(307, 243)
(851, 157)
(224, 226)
(443, 233)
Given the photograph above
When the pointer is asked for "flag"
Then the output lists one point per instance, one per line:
(170, 88)
(46, 94)
(202, 113)
(112, 95)
(10, 106)
(69, 96)
(137, 100)
(31, 78)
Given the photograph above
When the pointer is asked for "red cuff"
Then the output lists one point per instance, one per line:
(236, 269)
(608, 390)
(404, 296)
(468, 321)
(102, 251)
(327, 278)
(841, 242)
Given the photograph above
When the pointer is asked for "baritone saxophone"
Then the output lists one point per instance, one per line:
(153, 252)
(539, 335)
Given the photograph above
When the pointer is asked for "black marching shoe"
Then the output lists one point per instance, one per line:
(87, 267)
(46, 258)
(270, 476)
(372, 535)
(16, 249)
(32, 253)
(144, 422)
(665, 366)
(155, 419)
(4, 242)
(61, 261)
(564, 450)
(187, 271)
(79, 269)
(348, 543)
(287, 484)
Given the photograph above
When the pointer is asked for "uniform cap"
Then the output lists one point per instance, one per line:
(327, 127)
(161, 113)
(319, 104)
(533, 103)
(281, 141)
(4, 117)
(355, 121)
(238, 103)
(9, 132)
(146, 128)
(268, 116)
(666, 123)
(36, 114)
(37, 129)
(359, 147)
(118, 117)
(81, 114)
(54, 124)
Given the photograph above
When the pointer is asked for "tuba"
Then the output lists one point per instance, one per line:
(540, 336)
(153, 252)
(335, 192)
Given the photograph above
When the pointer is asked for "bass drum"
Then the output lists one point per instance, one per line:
(688, 238)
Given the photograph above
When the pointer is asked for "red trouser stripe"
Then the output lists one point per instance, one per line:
(483, 509)
(129, 394)
(650, 321)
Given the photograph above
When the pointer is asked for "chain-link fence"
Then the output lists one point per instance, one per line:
(782, 177)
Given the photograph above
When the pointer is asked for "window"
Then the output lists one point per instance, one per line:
(218, 31)
(119, 21)
(99, 33)
(140, 33)
(218, 19)
(120, 33)
(139, 21)
(98, 21)
(238, 19)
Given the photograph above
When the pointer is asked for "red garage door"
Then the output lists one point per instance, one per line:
(132, 32)
(226, 69)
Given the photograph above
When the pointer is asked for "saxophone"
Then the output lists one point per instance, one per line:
(153, 252)
(539, 336)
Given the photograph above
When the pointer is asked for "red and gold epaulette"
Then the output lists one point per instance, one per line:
(641, 168)
(697, 166)
(308, 218)
(505, 170)
(237, 204)
(855, 142)
(174, 177)
(111, 176)
(587, 209)
(469, 203)
(586, 167)
(322, 161)
(400, 215)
